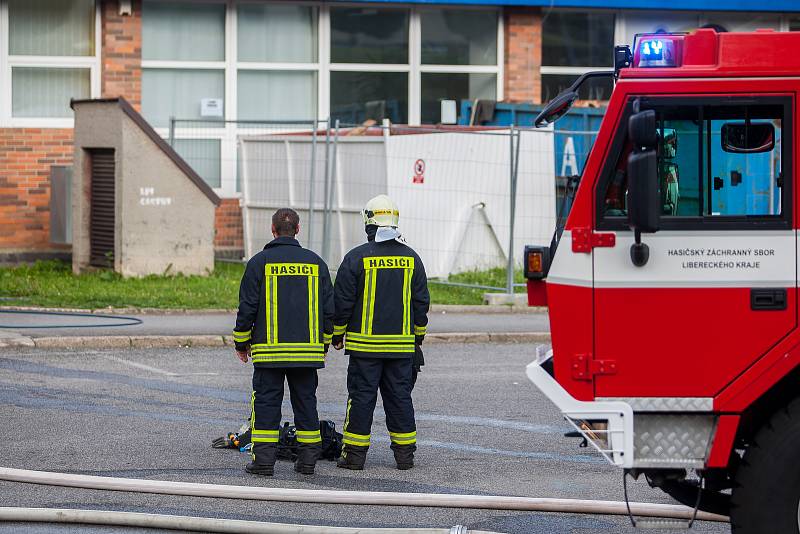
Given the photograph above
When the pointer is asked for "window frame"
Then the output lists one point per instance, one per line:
(8, 62)
(705, 222)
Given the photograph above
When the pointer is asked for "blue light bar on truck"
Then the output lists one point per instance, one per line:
(657, 52)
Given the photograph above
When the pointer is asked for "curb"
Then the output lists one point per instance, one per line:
(435, 308)
(153, 342)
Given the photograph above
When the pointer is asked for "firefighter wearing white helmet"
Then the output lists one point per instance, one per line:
(381, 298)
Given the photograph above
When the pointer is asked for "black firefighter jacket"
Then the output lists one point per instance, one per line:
(382, 300)
(285, 307)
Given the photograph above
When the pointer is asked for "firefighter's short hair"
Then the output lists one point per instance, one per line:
(286, 222)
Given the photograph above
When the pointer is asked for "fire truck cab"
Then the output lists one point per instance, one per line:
(672, 290)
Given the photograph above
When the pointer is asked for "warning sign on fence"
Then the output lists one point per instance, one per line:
(419, 172)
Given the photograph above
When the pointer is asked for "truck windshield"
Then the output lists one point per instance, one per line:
(700, 173)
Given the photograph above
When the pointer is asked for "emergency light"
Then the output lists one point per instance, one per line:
(657, 51)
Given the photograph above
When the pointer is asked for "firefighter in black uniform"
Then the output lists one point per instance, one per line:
(285, 323)
(382, 301)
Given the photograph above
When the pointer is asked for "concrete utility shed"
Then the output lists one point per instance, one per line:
(137, 206)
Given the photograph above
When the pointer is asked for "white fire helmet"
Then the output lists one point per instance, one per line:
(381, 211)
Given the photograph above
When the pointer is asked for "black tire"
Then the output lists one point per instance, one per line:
(766, 494)
(685, 492)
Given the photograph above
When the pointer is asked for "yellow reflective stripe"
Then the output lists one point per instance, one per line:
(366, 301)
(347, 414)
(308, 436)
(420, 330)
(275, 309)
(288, 346)
(313, 303)
(339, 330)
(288, 357)
(292, 269)
(268, 304)
(406, 302)
(388, 262)
(403, 438)
(317, 320)
(326, 338)
(403, 434)
(242, 336)
(361, 347)
(384, 338)
(373, 281)
(359, 440)
(266, 432)
(252, 411)
(264, 436)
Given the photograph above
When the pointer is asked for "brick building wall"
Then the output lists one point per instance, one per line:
(121, 53)
(229, 240)
(523, 51)
(26, 155)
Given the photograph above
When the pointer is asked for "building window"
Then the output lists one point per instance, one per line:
(565, 57)
(368, 48)
(168, 92)
(277, 69)
(183, 59)
(51, 56)
(459, 58)
(459, 37)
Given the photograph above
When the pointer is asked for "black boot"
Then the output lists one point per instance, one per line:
(264, 455)
(352, 457)
(307, 455)
(404, 456)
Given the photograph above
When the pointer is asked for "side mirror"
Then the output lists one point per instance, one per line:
(556, 108)
(642, 129)
(644, 198)
(748, 137)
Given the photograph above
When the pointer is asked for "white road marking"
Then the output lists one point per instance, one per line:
(140, 366)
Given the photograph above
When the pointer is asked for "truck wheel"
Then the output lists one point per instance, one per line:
(766, 494)
(685, 492)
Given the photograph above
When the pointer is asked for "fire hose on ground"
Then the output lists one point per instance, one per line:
(371, 498)
(198, 524)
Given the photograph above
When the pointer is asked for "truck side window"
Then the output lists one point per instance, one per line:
(715, 162)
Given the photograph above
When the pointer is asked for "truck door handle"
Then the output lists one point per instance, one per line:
(768, 299)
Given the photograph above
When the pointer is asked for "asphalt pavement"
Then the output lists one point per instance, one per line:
(483, 429)
(222, 323)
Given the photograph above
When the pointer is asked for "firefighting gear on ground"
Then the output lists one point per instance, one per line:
(331, 447)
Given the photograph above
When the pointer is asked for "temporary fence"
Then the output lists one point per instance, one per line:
(470, 198)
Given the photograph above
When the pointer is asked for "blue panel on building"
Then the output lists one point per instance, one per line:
(672, 5)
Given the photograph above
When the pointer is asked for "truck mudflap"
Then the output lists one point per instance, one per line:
(607, 425)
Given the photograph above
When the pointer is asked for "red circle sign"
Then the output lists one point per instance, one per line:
(419, 167)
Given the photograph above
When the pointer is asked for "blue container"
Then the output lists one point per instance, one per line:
(575, 132)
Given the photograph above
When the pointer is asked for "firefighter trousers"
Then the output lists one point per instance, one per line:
(393, 376)
(265, 420)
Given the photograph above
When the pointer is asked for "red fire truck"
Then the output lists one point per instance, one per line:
(672, 285)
